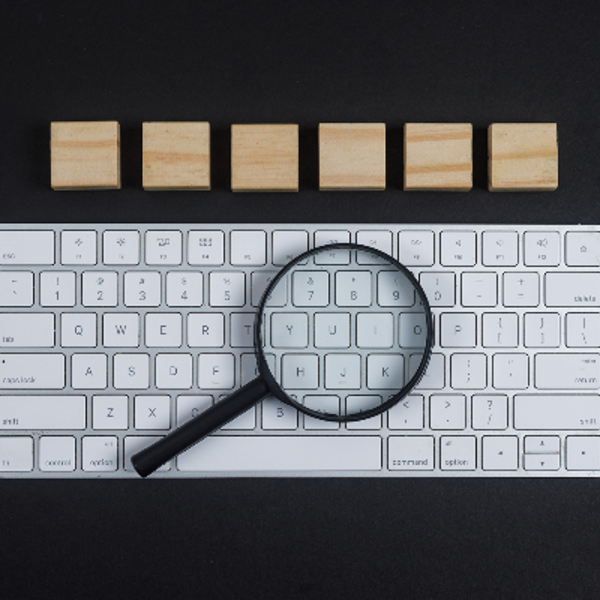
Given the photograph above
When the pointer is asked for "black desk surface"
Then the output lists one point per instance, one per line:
(302, 62)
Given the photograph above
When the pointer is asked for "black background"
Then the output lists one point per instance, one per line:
(301, 62)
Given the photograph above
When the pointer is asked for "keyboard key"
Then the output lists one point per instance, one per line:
(572, 289)
(542, 248)
(583, 453)
(99, 288)
(242, 330)
(57, 453)
(78, 247)
(489, 411)
(342, 371)
(310, 288)
(378, 239)
(136, 443)
(300, 371)
(521, 289)
(583, 330)
(334, 257)
(173, 371)
(448, 411)
(500, 330)
(412, 330)
(163, 330)
(243, 422)
(289, 330)
(287, 245)
(32, 371)
(582, 248)
(468, 371)
(248, 248)
(457, 453)
(41, 413)
(458, 330)
(121, 330)
(479, 289)
(206, 330)
(542, 330)
(57, 288)
(99, 453)
(16, 454)
(142, 288)
(435, 374)
(78, 330)
(131, 371)
(374, 330)
(89, 371)
(410, 453)
(542, 444)
(567, 371)
(164, 247)
(394, 289)
(110, 412)
(16, 288)
(326, 404)
(568, 411)
(278, 416)
(189, 407)
(407, 414)
(500, 248)
(416, 248)
(283, 453)
(353, 288)
(332, 330)
(440, 288)
(216, 371)
(206, 248)
(510, 371)
(184, 288)
(500, 453)
(33, 330)
(26, 247)
(121, 247)
(541, 462)
(458, 248)
(227, 289)
(385, 372)
(260, 281)
(152, 412)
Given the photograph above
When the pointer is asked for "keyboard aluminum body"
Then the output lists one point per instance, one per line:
(111, 335)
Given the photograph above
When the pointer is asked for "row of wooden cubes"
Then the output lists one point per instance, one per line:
(437, 156)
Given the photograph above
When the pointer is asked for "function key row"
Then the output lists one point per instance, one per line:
(457, 248)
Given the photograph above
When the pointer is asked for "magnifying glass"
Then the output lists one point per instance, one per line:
(343, 332)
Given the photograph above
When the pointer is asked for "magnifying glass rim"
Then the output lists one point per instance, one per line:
(277, 390)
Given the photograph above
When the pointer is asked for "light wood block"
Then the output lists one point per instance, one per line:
(522, 157)
(438, 157)
(264, 158)
(85, 155)
(352, 156)
(176, 156)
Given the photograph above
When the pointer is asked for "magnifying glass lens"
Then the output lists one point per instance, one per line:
(343, 331)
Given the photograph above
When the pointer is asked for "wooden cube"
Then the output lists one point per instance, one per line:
(264, 158)
(85, 155)
(352, 156)
(176, 156)
(438, 156)
(522, 157)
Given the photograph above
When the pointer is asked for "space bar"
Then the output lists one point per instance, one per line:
(283, 453)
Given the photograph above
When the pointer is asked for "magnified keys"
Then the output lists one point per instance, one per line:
(342, 333)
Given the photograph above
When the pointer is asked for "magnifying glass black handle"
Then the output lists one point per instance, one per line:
(148, 460)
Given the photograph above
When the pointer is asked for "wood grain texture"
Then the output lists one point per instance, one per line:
(264, 158)
(352, 156)
(522, 157)
(438, 156)
(85, 155)
(176, 156)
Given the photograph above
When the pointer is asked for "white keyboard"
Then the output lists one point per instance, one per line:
(112, 335)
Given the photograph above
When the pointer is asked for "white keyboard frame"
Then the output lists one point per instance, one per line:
(384, 433)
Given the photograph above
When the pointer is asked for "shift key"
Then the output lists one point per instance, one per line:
(32, 371)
